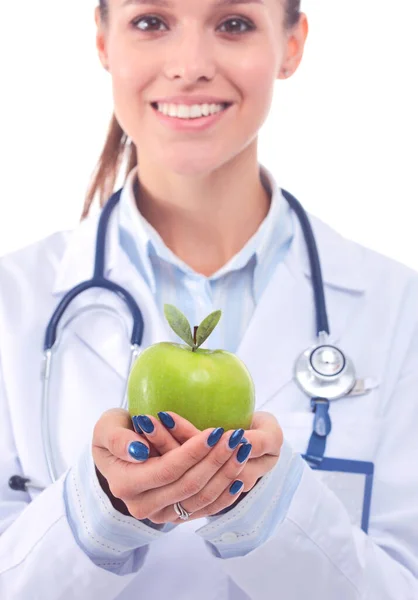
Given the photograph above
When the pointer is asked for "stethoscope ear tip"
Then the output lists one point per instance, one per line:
(18, 483)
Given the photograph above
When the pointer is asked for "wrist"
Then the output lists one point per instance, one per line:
(117, 503)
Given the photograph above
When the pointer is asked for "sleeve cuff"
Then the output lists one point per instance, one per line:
(108, 537)
(254, 520)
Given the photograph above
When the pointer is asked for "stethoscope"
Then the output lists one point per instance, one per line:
(322, 371)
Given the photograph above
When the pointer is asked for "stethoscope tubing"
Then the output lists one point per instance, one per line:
(99, 281)
(322, 324)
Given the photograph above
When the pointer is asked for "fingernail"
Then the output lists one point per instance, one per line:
(236, 487)
(136, 426)
(145, 423)
(244, 452)
(138, 451)
(244, 440)
(215, 436)
(235, 438)
(166, 420)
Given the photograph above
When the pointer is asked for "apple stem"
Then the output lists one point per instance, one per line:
(195, 328)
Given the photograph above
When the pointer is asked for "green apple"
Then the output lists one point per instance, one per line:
(209, 388)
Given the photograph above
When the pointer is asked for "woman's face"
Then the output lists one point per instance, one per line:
(204, 51)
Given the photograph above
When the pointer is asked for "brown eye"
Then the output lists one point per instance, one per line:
(237, 25)
(149, 23)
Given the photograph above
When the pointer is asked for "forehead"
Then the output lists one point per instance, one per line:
(171, 3)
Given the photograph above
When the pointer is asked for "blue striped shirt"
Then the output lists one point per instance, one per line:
(236, 288)
(119, 543)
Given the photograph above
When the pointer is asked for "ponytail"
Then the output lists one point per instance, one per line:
(117, 148)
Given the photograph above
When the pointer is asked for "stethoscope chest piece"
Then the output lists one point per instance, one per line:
(325, 372)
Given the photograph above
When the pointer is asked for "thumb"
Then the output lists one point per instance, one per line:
(114, 435)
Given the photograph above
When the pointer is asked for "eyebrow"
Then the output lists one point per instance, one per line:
(166, 4)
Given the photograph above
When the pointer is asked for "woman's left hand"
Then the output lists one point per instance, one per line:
(266, 438)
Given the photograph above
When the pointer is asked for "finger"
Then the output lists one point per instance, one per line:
(225, 500)
(264, 420)
(248, 477)
(256, 468)
(159, 436)
(180, 428)
(265, 435)
(220, 482)
(195, 480)
(152, 451)
(114, 436)
(164, 470)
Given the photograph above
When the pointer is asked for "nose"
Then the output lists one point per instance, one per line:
(191, 58)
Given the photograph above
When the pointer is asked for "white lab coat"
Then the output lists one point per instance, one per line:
(316, 552)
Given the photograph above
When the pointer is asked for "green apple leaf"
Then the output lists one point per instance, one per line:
(179, 324)
(207, 326)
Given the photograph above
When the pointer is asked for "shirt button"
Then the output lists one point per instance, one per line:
(229, 537)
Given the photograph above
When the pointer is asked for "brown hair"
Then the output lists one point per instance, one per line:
(118, 149)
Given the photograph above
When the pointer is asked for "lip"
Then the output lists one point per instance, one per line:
(198, 124)
(190, 100)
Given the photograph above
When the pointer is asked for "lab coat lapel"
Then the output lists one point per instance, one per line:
(281, 327)
(97, 332)
(284, 325)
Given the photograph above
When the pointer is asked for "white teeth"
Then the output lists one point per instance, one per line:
(182, 111)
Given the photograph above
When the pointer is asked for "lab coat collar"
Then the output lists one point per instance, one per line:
(341, 260)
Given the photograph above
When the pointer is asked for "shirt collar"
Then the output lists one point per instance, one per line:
(344, 264)
(140, 240)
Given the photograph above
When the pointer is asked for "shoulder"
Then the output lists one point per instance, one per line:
(36, 262)
(346, 260)
(41, 260)
(32, 270)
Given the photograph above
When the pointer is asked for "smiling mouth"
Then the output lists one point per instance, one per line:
(190, 112)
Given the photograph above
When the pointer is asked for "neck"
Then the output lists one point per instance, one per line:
(204, 220)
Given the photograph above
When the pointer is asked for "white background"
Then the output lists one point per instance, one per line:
(342, 134)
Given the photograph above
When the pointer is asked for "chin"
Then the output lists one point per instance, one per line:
(198, 164)
(191, 166)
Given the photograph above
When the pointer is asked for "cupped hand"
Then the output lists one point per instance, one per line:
(200, 468)
(265, 439)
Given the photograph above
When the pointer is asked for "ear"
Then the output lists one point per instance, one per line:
(295, 45)
(101, 39)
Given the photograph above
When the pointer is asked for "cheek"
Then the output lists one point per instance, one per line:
(256, 81)
(131, 75)
(129, 67)
(129, 71)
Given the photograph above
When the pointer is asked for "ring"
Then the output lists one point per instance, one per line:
(181, 511)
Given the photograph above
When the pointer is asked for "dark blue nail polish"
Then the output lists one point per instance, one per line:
(235, 438)
(138, 451)
(244, 452)
(145, 423)
(166, 419)
(236, 487)
(215, 436)
(136, 426)
(244, 440)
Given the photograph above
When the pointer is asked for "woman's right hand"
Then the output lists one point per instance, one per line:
(128, 470)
